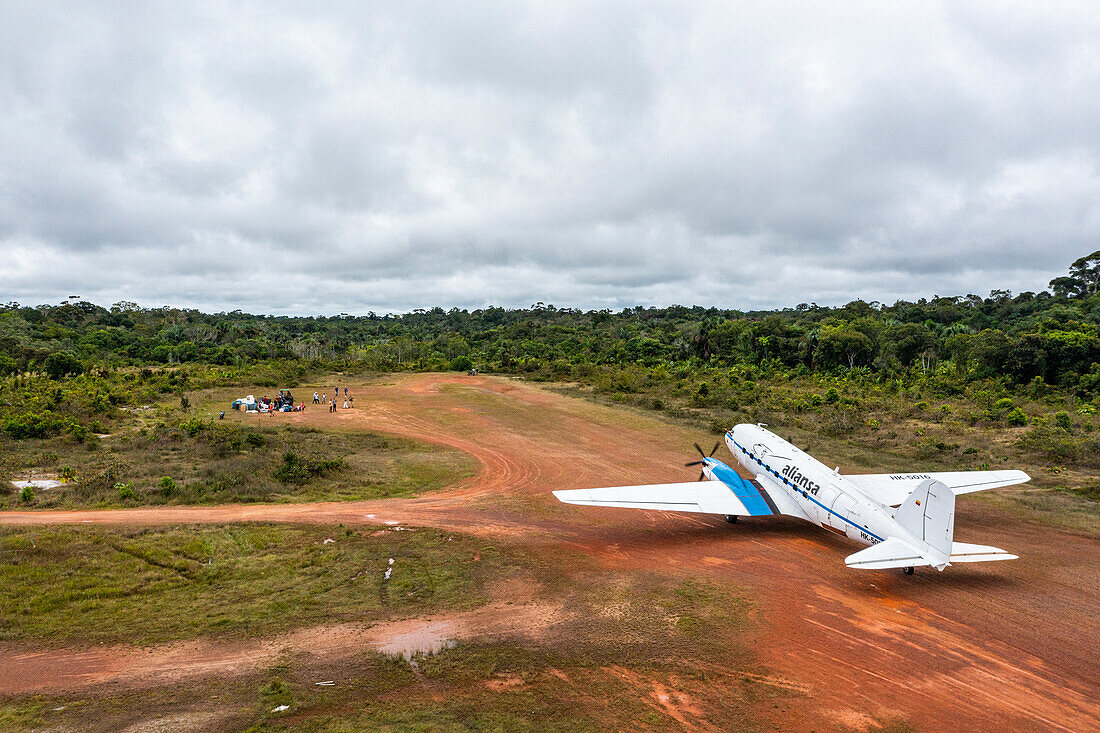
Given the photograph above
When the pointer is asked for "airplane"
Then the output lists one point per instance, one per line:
(907, 518)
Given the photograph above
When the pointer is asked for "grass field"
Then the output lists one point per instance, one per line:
(65, 585)
(225, 462)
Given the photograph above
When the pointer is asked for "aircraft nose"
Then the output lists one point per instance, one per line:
(733, 436)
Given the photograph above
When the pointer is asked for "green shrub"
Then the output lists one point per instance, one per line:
(193, 426)
(1056, 445)
(816, 400)
(24, 426)
(26, 495)
(167, 486)
(1005, 403)
(1017, 417)
(125, 491)
(461, 364)
(61, 364)
(78, 432)
(100, 404)
(1089, 491)
(30, 425)
(1063, 421)
(298, 470)
(832, 396)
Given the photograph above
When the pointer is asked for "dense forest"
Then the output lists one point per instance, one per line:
(1052, 337)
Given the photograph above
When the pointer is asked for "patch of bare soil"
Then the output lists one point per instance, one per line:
(126, 666)
(1009, 642)
(671, 701)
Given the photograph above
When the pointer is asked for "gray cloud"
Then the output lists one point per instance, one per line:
(282, 158)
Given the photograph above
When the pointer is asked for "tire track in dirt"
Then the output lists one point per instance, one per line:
(951, 651)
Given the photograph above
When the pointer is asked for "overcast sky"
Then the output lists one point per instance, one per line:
(324, 158)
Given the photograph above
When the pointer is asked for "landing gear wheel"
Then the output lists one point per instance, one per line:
(731, 518)
(909, 570)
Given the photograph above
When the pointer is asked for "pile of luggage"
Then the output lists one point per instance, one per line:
(283, 403)
(247, 404)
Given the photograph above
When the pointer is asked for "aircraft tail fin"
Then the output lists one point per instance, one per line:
(929, 515)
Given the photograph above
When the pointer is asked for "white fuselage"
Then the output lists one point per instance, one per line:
(823, 495)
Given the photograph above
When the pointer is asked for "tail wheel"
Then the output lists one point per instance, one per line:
(731, 518)
(909, 570)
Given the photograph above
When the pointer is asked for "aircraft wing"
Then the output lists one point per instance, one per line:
(891, 489)
(706, 497)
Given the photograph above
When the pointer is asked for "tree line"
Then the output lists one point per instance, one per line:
(1050, 336)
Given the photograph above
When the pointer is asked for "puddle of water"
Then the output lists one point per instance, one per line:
(39, 483)
(423, 638)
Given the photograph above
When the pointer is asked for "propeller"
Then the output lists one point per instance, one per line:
(704, 456)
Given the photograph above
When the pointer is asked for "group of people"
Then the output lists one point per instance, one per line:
(322, 398)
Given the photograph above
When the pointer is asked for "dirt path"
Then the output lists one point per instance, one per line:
(1011, 644)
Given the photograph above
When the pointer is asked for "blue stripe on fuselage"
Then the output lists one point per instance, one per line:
(748, 494)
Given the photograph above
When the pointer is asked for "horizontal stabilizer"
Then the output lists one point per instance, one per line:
(964, 552)
(890, 553)
(891, 489)
(707, 497)
(897, 553)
